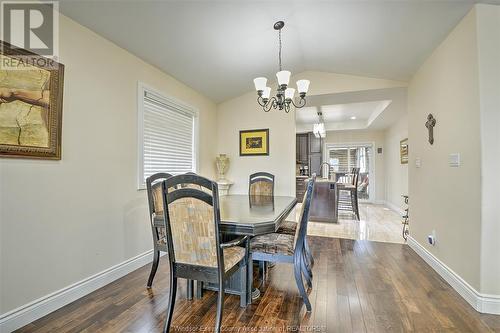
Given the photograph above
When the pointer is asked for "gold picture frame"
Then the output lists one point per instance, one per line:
(403, 151)
(31, 102)
(254, 142)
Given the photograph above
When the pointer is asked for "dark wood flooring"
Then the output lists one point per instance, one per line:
(359, 286)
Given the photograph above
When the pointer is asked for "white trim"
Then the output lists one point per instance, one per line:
(483, 303)
(36, 309)
(141, 89)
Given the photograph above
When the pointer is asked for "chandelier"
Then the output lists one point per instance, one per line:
(319, 128)
(284, 95)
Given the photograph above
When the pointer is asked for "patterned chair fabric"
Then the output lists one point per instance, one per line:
(261, 188)
(261, 184)
(193, 235)
(280, 242)
(288, 227)
(273, 243)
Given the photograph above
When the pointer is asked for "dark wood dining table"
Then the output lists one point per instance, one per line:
(243, 214)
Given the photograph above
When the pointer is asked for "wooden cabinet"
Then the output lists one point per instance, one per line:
(315, 164)
(302, 148)
(314, 144)
(300, 188)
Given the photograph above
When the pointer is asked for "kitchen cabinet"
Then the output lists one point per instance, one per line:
(314, 144)
(302, 148)
(315, 164)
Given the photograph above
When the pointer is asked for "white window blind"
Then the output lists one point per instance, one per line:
(168, 137)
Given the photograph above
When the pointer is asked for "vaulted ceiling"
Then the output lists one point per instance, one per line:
(218, 47)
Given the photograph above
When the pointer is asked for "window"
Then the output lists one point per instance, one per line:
(167, 135)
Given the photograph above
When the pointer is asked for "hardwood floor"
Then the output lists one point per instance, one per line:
(359, 286)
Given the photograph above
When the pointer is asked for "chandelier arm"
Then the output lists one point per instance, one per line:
(302, 102)
(269, 105)
(260, 100)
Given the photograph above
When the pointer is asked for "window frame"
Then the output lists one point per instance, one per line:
(143, 88)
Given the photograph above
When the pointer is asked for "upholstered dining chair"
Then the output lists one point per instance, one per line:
(155, 201)
(277, 247)
(192, 219)
(261, 184)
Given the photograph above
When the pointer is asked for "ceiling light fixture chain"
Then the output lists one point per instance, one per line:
(284, 98)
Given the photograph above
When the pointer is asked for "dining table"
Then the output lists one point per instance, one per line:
(248, 215)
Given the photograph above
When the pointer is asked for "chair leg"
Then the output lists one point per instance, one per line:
(308, 252)
(243, 285)
(300, 285)
(306, 271)
(262, 270)
(220, 306)
(189, 289)
(171, 302)
(356, 209)
(154, 268)
(249, 278)
(199, 289)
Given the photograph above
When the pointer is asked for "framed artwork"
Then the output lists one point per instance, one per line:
(31, 96)
(403, 151)
(254, 142)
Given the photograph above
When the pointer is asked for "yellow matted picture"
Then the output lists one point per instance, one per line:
(254, 142)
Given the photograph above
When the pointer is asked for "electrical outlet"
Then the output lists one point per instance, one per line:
(418, 162)
(432, 238)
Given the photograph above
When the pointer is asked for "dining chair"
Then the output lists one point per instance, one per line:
(153, 186)
(261, 183)
(352, 188)
(278, 247)
(192, 218)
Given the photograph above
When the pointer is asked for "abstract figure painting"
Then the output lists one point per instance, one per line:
(254, 142)
(30, 105)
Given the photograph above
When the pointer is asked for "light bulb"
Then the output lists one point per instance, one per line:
(302, 86)
(283, 77)
(260, 83)
(289, 92)
(266, 93)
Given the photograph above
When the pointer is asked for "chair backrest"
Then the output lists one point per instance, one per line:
(153, 186)
(355, 176)
(261, 183)
(301, 231)
(192, 220)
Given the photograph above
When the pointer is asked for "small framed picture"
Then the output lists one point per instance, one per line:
(254, 142)
(403, 150)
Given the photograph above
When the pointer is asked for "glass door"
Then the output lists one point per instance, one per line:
(343, 158)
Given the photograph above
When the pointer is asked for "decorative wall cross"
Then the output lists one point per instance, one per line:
(431, 122)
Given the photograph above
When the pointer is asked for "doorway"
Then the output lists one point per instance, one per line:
(343, 157)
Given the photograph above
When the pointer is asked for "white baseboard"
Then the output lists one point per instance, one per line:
(480, 302)
(36, 309)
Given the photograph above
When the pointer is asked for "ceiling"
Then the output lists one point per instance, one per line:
(218, 47)
(341, 112)
(375, 109)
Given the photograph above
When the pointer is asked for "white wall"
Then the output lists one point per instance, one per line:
(488, 34)
(446, 199)
(66, 220)
(365, 136)
(243, 112)
(396, 174)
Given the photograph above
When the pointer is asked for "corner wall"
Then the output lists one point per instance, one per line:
(396, 179)
(445, 199)
(63, 221)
